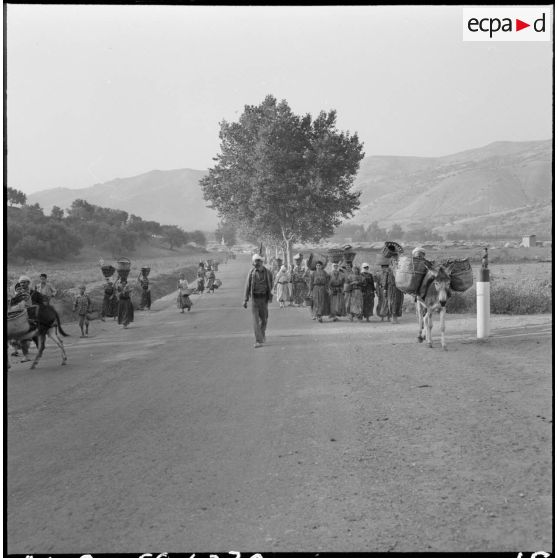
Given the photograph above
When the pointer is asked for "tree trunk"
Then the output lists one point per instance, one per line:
(287, 251)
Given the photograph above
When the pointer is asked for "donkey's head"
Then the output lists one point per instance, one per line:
(37, 298)
(441, 280)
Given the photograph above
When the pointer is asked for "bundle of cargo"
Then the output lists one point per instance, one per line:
(392, 249)
(316, 257)
(461, 274)
(349, 257)
(409, 273)
(145, 271)
(123, 268)
(18, 324)
(107, 271)
(336, 254)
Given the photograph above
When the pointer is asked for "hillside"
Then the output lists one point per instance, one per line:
(168, 197)
(491, 182)
(494, 179)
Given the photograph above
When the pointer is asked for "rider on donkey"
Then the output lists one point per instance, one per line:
(22, 301)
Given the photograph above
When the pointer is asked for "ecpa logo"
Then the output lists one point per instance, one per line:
(507, 24)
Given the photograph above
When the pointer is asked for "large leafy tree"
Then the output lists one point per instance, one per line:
(15, 197)
(284, 176)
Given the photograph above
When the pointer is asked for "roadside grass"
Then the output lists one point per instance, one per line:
(528, 296)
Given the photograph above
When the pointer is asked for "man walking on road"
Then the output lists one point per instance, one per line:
(259, 286)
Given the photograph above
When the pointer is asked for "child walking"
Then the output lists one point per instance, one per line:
(82, 304)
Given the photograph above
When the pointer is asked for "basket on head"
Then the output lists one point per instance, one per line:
(335, 254)
(315, 257)
(348, 257)
(107, 271)
(391, 249)
(123, 268)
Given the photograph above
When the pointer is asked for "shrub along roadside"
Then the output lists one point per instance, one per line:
(525, 297)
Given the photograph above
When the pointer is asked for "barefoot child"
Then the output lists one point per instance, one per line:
(82, 304)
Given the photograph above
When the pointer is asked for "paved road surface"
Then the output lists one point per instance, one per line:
(177, 435)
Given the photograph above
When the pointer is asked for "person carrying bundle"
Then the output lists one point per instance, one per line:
(390, 303)
(183, 300)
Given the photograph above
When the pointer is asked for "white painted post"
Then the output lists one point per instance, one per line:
(483, 299)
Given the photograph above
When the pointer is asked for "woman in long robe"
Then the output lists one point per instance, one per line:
(336, 294)
(210, 284)
(145, 302)
(281, 285)
(390, 305)
(368, 292)
(319, 282)
(110, 301)
(300, 288)
(201, 278)
(356, 282)
(290, 285)
(183, 298)
(125, 306)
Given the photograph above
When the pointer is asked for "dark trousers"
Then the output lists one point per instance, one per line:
(259, 317)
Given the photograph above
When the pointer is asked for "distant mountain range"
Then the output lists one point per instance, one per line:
(501, 184)
(169, 197)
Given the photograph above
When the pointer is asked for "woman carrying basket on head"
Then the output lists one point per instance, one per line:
(183, 300)
(125, 306)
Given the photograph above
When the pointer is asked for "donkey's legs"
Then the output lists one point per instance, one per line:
(53, 334)
(428, 320)
(42, 340)
(443, 328)
(420, 321)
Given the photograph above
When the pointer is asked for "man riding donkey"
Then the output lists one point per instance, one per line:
(22, 301)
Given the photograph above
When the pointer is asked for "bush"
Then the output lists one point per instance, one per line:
(526, 297)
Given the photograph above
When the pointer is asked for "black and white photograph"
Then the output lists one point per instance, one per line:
(279, 279)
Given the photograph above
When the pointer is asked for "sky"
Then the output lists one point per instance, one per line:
(102, 92)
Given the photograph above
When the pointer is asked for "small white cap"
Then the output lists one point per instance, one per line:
(24, 278)
(365, 265)
(256, 257)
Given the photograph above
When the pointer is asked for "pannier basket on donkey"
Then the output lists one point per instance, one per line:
(461, 275)
(409, 272)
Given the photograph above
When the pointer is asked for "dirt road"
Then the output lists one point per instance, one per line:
(177, 435)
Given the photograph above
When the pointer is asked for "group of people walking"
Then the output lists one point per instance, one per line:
(117, 300)
(346, 291)
(206, 281)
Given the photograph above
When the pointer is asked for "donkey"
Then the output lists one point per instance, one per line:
(47, 323)
(433, 295)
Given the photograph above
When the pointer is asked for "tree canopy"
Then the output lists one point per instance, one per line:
(15, 197)
(284, 176)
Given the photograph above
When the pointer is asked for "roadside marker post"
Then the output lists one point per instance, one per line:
(483, 299)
